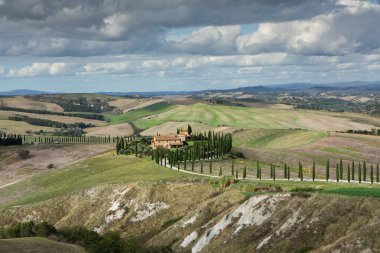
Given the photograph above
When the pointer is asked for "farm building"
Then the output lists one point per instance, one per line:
(169, 141)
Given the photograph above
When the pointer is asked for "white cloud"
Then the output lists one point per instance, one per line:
(38, 68)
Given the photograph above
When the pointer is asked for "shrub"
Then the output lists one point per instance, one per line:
(23, 154)
(50, 166)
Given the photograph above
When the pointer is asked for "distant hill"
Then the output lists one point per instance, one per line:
(22, 92)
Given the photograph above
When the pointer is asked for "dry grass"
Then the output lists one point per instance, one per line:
(13, 169)
(21, 102)
(123, 129)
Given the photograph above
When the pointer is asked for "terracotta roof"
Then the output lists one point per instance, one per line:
(166, 138)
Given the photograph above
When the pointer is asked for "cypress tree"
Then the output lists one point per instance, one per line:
(136, 149)
(285, 172)
(328, 170)
(341, 169)
(353, 171)
(377, 173)
(348, 173)
(210, 168)
(233, 168)
(360, 173)
(257, 169)
(364, 171)
(201, 167)
(192, 166)
(220, 171)
(337, 172)
(301, 171)
(274, 172)
(313, 173)
(237, 173)
(245, 172)
(288, 170)
(371, 174)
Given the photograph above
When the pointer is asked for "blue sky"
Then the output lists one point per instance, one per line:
(115, 45)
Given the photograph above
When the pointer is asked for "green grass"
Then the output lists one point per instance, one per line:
(244, 117)
(355, 191)
(141, 113)
(276, 138)
(102, 169)
(37, 245)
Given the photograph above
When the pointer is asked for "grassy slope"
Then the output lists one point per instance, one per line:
(10, 126)
(244, 117)
(276, 138)
(141, 113)
(37, 245)
(102, 169)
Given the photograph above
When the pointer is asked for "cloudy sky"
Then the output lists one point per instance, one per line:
(129, 45)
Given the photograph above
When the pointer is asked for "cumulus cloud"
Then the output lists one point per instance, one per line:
(352, 29)
(39, 68)
(139, 25)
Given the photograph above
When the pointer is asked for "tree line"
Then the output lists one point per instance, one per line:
(10, 139)
(49, 123)
(96, 116)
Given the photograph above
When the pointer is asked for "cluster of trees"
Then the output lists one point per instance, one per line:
(368, 132)
(90, 240)
(79, 104)
(49, 123)
(210, 146)
(133, 145)
(189, 130)
(96, 116)
(10, 139)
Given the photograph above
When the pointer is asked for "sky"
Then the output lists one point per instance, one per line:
(162, 45)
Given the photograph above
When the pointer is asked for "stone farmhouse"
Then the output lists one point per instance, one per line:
(170, 141)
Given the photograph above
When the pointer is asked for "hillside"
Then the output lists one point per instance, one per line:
(224, 220)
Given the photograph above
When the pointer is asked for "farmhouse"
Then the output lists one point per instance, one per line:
(168, 141)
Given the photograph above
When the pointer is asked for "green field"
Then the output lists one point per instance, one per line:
(134, 115)
(276, 138)
(37, 245)
(98, 170)
(244, 117)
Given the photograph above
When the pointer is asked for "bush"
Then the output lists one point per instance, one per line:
(50, 166)
(23, 154)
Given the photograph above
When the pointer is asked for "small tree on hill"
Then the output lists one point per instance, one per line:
(328, 170)
(377, 173)
(245, 172)
(313, 173)
(360, 173)
(233, 168)
(189, 129)
(371, 173)
(220, 171)
(364, 171)
(237, 173)
(348, 173)
(353, 171)
(201, 167)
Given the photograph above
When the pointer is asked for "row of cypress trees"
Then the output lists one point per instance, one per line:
(351, 172)
(10, 139)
